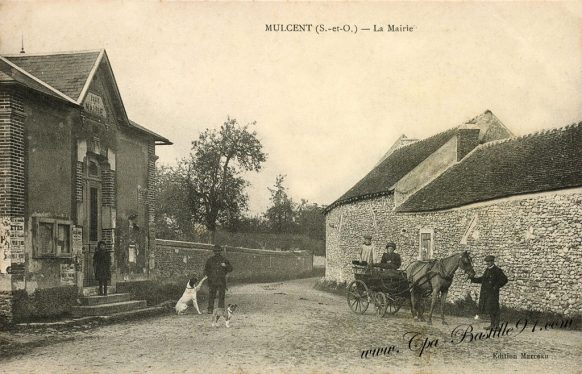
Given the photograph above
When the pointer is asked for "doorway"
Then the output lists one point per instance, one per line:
(92, 198)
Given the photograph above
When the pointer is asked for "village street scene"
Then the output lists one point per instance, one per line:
(304, 189)
(288, 327)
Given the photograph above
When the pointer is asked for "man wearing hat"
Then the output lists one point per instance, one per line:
(391, 258)
(367, 251)
(215, 269)
(491, 281)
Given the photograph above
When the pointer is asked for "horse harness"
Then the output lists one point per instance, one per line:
(437, 268)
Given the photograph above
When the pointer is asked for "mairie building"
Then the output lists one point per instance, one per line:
(74, 170)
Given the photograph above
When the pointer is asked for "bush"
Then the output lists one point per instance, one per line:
(43, 304)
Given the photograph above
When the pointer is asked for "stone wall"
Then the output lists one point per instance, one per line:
(176, 261)
(537, 241)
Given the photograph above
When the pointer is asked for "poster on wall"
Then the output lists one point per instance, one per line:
(17, 240)
(4, 245)
(68, 277)
(77, 240)
(132, 253)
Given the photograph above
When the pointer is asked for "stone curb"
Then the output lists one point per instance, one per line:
(116, 317)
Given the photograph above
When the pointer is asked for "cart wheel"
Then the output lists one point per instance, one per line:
(358, 297)
(394, 305)
(381, 303)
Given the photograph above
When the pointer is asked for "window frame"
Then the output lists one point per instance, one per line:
(430, 252)
(55, 223)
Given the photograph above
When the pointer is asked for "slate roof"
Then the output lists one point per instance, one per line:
(10, 73)
(381, 180)
(542, 161)
(67, 72)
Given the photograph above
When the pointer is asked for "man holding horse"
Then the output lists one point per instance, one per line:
(491, 281)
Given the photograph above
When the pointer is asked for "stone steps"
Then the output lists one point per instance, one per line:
(109, 299)
(107, 308)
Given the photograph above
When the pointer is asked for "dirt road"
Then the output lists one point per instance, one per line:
(291, 328)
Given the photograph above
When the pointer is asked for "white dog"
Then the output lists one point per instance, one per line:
(189, 295)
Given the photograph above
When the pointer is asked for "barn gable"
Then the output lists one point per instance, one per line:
(410, 167)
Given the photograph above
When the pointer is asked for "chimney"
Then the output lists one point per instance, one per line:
(467, 139)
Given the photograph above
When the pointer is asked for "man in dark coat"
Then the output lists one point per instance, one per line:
(216, 269)
(391, 259)
(492, 280)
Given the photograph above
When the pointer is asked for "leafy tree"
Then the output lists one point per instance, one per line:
(280, 215)
(310, 220)
(213, 173)
(173, 216)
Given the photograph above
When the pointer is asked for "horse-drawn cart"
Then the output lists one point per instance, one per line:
(387, 289)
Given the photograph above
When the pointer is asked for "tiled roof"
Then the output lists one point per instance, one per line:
(67, 72)
(542, 161)
(403, 160)
(392, 169)
(10, 74)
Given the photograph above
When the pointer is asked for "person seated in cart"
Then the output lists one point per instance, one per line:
(367, 252)
(391, 259)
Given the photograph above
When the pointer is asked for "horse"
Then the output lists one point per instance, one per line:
(435, 277)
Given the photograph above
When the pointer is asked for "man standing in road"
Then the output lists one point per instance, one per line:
(216, 269)
(491, 281)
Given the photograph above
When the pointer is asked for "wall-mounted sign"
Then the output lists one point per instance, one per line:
(94, 105)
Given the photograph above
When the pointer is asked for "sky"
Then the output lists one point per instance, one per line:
(327, 105)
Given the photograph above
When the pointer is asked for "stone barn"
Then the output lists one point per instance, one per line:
(475, 187)
(74, 170)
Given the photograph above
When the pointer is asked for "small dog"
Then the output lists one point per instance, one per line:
(189, 295)
(221, 312)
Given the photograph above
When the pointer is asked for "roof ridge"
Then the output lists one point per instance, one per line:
(52, 53)
(422, 140)
(529, 135)
(444, 131)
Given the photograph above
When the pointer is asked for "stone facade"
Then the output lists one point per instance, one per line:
(536, 240)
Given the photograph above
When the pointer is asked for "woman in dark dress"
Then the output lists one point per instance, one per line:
(102, 264)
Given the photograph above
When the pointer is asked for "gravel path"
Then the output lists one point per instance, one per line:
(292, 328)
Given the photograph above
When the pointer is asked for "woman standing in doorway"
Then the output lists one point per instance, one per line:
(102, 264)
